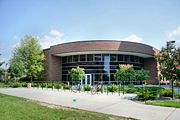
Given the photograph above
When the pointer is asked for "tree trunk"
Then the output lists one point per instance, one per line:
(172, 89)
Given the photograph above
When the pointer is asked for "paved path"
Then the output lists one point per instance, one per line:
(110, 104)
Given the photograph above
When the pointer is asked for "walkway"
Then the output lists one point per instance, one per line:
(109, 104)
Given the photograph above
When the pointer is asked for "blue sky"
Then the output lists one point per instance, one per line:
(152, 22)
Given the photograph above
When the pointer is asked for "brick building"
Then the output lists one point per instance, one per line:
(99, 58)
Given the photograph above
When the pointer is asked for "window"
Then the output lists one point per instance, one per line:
(126, 57)
(75, 58)
(132, 58)
(89, 57)
(136, 59)
(120, 57)
(64, 77)
(105, 77)
(141, 60)
(64, 59)
(97, 57)
(112, 77)
(113, 57)
(69, 59)
(98, 77)
(82, 57)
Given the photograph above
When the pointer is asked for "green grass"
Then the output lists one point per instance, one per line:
(15, 108)
(165, 103)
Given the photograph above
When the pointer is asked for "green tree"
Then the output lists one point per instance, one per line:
(16, 67)
(142, 75)
(77, 73)
(1, 70)
(169, 62)
(125, 73)
(28, 59)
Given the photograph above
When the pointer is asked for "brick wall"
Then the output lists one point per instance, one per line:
(150, 64)
(53, 67)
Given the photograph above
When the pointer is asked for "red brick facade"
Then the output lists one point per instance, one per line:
(53, 62)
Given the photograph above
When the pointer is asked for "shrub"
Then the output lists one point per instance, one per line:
(24, 84)
(43, 85)
(146, 95)
(49, 85)
(149, 93)
(57, 86)
(177, 96)
(87, 88)
(15, 85)
(130, 86)
(35, 85)
(167, 93)
(112, 88)
(66, 87)
(130, 90)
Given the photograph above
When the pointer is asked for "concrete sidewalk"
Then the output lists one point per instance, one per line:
(109, 104)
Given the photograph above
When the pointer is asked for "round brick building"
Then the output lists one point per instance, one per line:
(99, 58)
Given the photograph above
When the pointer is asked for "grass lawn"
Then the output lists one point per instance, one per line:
(165, 103)
(15, 108)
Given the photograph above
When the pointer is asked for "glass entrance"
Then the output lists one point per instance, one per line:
(87, 81)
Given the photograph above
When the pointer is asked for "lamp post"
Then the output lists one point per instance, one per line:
(170, 46)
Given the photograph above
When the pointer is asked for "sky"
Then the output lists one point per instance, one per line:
(151, 22)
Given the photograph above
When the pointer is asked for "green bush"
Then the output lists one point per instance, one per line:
(49, 85)
(24, 84)
(87, 88)
(35, 85)
(149, 93)
(146, 95)
(177, 96)
(112, 88)
(167, 93)
(16, 85)
(57, 86)
(130, 86)
(66, 87)
(43, 85)
(130, 90)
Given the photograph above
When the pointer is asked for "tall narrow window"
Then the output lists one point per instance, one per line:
(89, 57)
(120, 57)
(97, 57)
(113, 57)
(82, 57)
(75, 58)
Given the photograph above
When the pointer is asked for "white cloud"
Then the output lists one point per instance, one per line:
(175, 35)
(16, 45)
(54, 37)
(56, 33)
(133, 38)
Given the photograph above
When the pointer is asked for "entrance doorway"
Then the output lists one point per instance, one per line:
(87, 81)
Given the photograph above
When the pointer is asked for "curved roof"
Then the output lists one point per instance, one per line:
(103, 46)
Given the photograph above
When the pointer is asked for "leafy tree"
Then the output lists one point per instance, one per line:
(169, 62)
(16, 68)
(28, 59)
(125, 73)
(1, 70)
(142, 75)
(77, 73)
